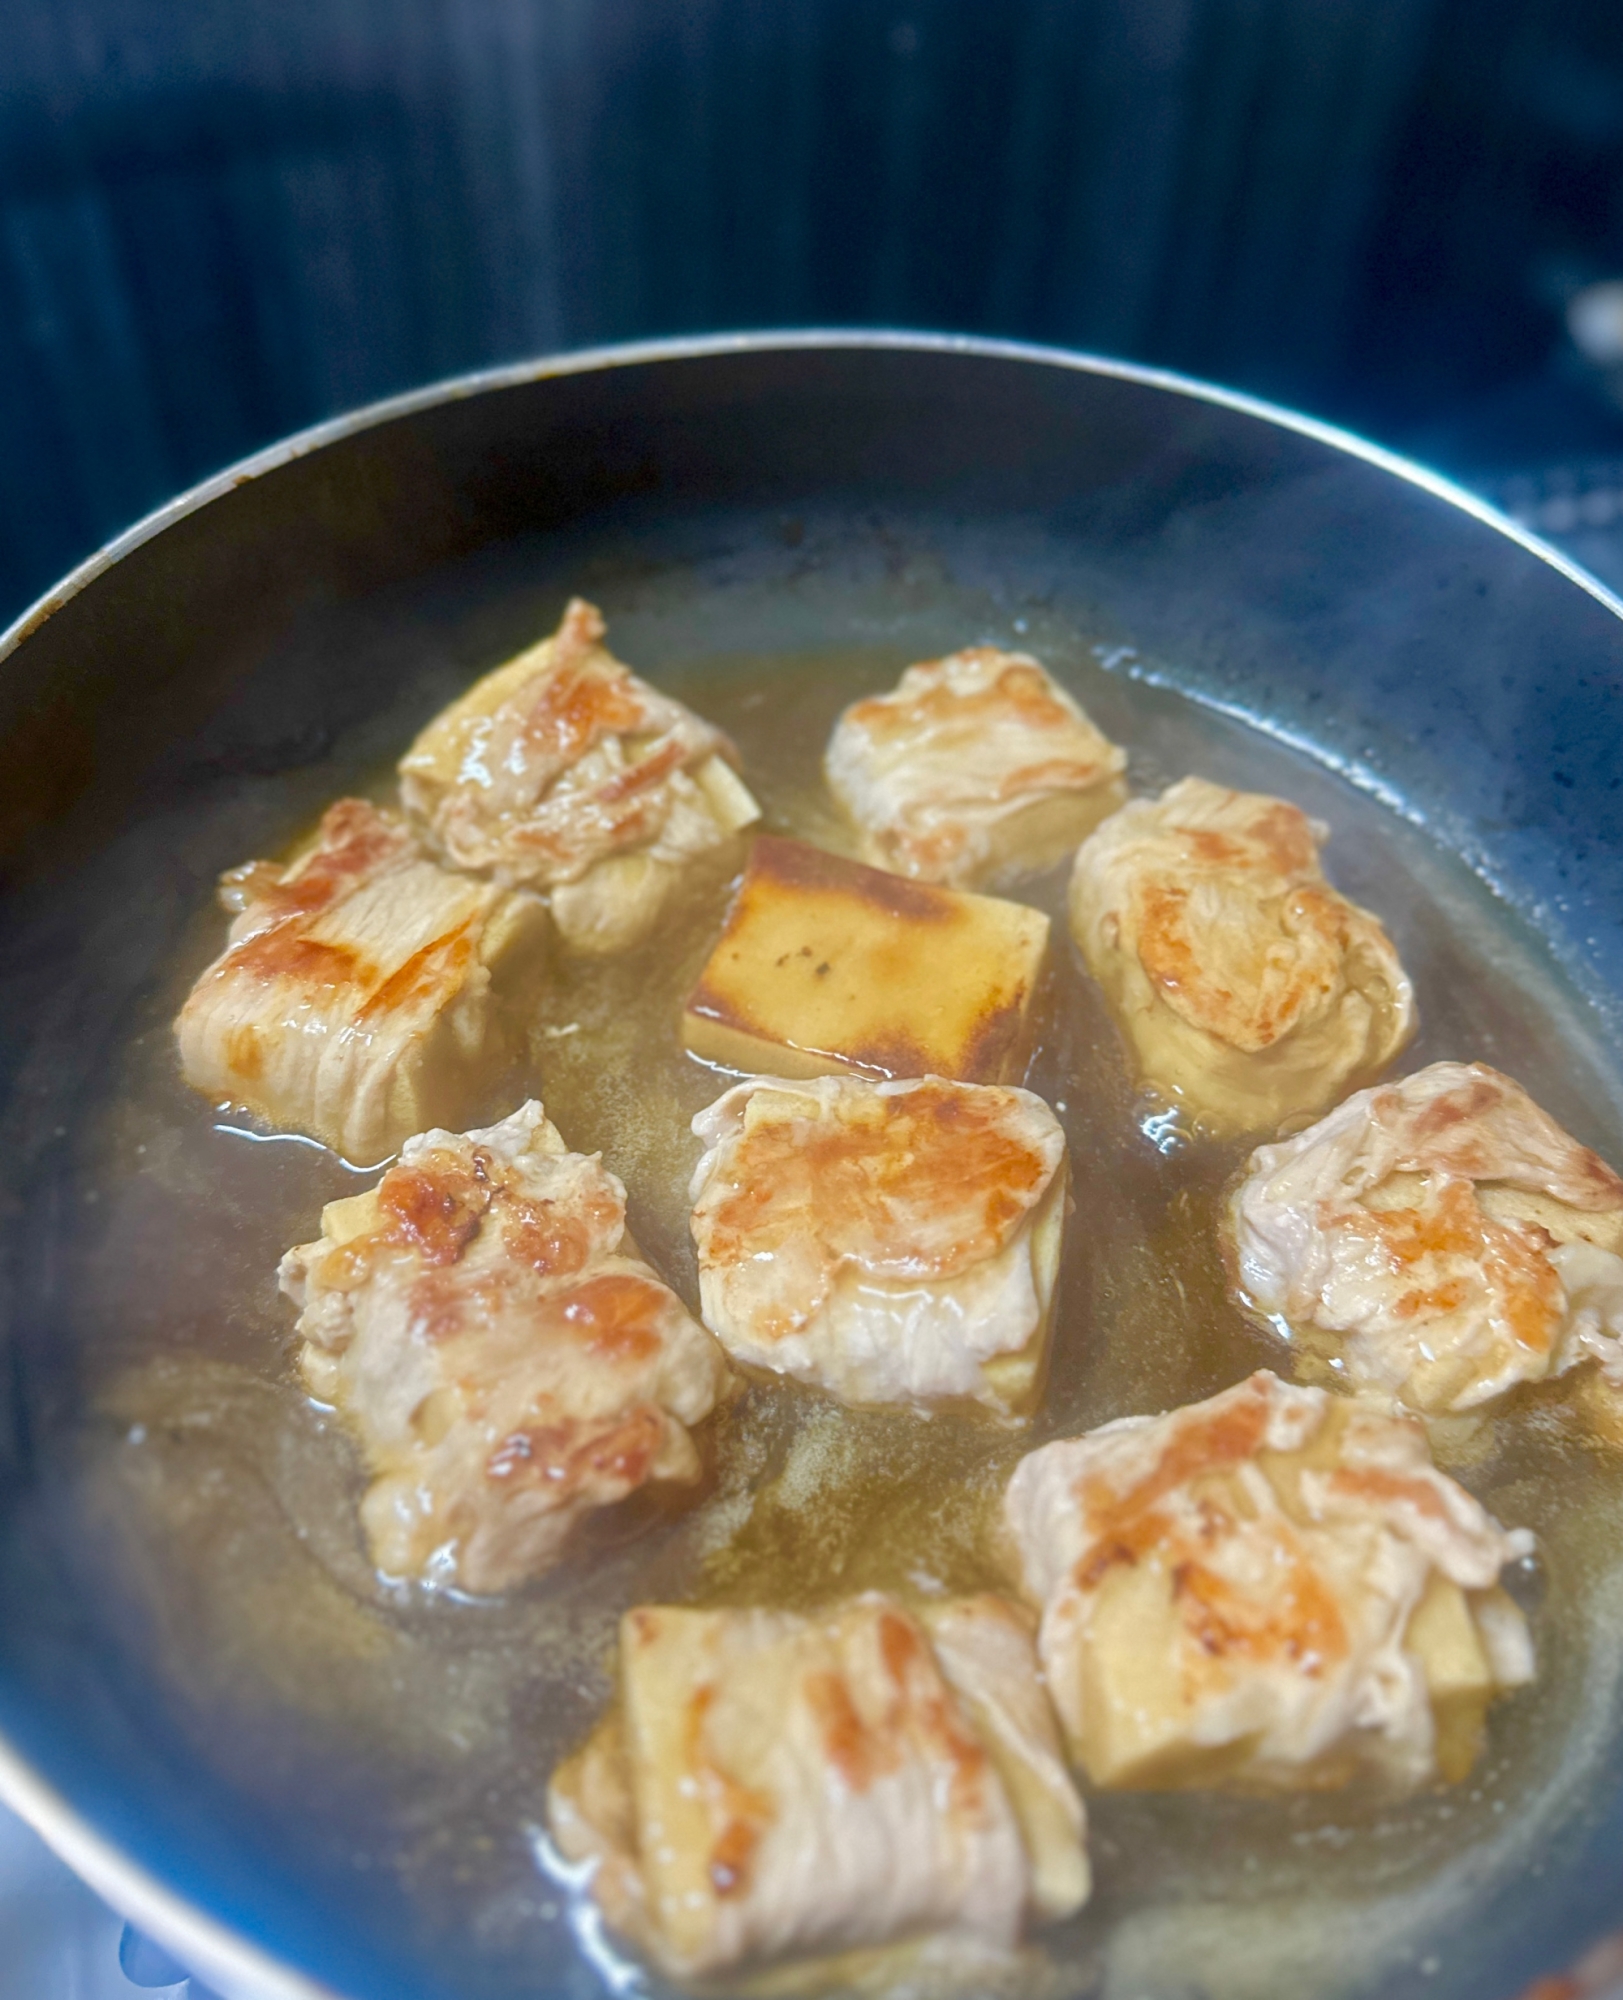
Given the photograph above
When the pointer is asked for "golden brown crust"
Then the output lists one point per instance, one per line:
(825, 964)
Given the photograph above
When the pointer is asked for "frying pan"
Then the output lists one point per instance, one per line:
(186, 697)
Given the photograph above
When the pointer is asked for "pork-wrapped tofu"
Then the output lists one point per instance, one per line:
(889, 1242)
(1441, 1239)
(364, 992)
(773, 1786)
(562, 771)
(484, 1324)
(1274, 1588)
(1250, 991)
(973, 770)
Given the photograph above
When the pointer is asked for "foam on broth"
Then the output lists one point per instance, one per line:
(407, 1738)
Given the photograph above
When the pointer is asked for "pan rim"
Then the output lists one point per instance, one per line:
(212, 1948)
(691, 347)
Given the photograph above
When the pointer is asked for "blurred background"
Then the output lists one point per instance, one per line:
(223, 219)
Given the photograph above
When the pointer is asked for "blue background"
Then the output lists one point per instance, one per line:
(223, 219)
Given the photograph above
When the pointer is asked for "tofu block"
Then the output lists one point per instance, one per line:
(1441, 1239)
(1273, 1589)
(508, 1363)
(365, 992)
(826, 965)
(888, 1242)
(563, 772)
(973, 771)
(776, 1787)
(1250, 992)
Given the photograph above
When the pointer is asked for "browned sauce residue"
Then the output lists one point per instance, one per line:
(743, 1814)
(437, 1213)
(1213, 1443)
(550, 1238)
(1295, 1619)
(563, 1458)
(618, 1315)
(438, 968)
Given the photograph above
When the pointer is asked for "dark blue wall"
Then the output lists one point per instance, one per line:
(221, 219)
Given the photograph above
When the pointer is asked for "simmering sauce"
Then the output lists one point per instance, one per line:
(405, 1739)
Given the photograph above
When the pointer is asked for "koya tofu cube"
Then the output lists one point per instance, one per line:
(827, 965)
(1273, 1588)
(889, 1242)
(974, 770)
(365, 992)
(775, 1786)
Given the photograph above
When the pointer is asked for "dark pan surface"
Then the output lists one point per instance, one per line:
(200, 698)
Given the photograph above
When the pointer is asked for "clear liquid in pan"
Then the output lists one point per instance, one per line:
(405, 1741)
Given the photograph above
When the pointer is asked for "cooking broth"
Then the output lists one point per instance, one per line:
(404, 1740)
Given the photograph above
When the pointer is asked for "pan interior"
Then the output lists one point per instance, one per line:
(381, 1757)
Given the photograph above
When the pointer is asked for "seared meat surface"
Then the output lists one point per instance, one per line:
(1249, 990)
(1271, 1588)
(562, 771)
(776, 1786)
(973, 770)
(1441, 1239)
(507, 1361)
(888, 1242)
(364, 992)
